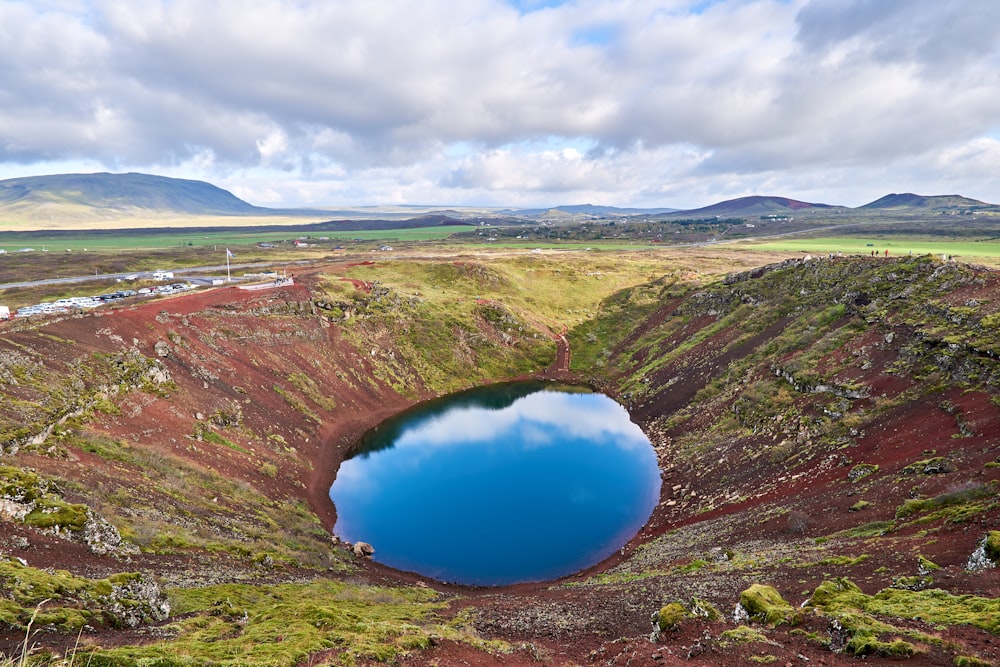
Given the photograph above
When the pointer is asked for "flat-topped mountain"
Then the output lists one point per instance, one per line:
(113, 195)
(910, 200)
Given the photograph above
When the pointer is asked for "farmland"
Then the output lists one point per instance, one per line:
(986, 251)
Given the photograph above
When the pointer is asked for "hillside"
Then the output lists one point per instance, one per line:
(826, 432)
(584, 211)
(754, 206)
(109, 195)
(908, 200)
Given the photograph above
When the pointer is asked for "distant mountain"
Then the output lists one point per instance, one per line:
(936, 202)
(117, 195)
(753, 206)
(588, 210)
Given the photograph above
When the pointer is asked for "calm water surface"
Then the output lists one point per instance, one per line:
(499, 485)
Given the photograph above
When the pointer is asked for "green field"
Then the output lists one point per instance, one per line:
(134, 240)
(961, 250)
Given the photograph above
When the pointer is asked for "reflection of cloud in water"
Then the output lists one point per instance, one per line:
(534, 436)
(591, 416)
(353, 474)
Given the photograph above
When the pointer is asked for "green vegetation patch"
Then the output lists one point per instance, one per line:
(764, 603)
(953, 506)
(992, 546)
(288, 623)
(67, 602)
(932, 466)
(856, 616)
(861, 471)
(743, 634)
(670, 616)
(41, 505)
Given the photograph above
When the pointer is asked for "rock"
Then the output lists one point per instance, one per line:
(363, 550)
(162, 348)
(136, 599)
(979, 559)
(104, 538)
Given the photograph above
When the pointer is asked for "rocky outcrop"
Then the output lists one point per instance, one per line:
(363, 550)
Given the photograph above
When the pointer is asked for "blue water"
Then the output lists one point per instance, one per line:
(499, 485)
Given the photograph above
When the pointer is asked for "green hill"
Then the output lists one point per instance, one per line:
(103, 196)
(908, 200)
(754, 206)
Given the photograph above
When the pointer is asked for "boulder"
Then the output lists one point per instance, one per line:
(363, 550)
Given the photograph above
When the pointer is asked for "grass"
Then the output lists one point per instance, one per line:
(964, 250)
(286, 624)
(235, 238)
(959, 503)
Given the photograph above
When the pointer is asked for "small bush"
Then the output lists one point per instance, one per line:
(798, 522)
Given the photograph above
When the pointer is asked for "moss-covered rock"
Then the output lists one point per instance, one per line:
(743, 634)
(992, 546)
(925, 566)
(704, 609)
(764, 603)
(68, 602)
(861, 471)
(670, 616)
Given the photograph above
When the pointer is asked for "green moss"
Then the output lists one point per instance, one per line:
(764, 603)
(845, 561)
(971, 661)
(925, 565)
(51, 512)
(860, 505)
(670, 616)
(872, 529)
(693, 566)
(704, 609)
(993, 545)
(286, 624)
(863, 618)
(837, 593)
(61, 599)
(932, 466)
(20, 485)
(861, 471)
(743, 635)
(915, 583)
(863, 643)
(959, 504)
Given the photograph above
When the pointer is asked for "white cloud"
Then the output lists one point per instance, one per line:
(628, 102)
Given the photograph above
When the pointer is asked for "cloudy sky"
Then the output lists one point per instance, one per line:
(676, 103)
